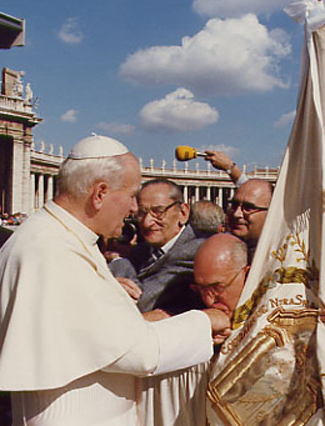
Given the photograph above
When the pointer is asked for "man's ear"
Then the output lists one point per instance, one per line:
(100, 191)
(184, 213)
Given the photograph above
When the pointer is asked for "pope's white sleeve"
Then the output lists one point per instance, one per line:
(184, 340)
(141, 359)
(168, 345)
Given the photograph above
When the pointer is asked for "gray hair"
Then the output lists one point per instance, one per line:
(76, 176)
(175, 191)
(206, 217)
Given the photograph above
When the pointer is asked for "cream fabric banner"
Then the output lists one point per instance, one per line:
(270, 371)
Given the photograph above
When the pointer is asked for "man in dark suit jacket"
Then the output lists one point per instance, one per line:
(163, 263)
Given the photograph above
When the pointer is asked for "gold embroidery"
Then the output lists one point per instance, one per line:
(294, 321)
(283, 275)
(230, 345)
(243, 312)
(297, 300)
(274, 379)
(292, 275)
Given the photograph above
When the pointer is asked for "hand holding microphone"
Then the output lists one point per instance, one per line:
(218, 159)
(185, 153)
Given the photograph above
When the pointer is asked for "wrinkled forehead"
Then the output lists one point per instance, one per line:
(155, 195)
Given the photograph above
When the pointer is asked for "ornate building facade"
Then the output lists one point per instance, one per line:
(17, 119)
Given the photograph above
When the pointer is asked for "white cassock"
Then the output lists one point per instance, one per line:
(71, 340)
(176, 399)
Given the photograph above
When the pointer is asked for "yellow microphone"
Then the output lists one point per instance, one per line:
(185, 153)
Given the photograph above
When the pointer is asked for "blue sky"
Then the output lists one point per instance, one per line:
(220, 74)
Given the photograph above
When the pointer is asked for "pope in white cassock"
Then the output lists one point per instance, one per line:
(71, 339)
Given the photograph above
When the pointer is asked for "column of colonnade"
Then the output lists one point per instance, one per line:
(41, 190)
(215, 193)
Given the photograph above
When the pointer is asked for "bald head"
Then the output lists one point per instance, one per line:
(262, 188)
(220, 250)
(248, 209)
(220, 268)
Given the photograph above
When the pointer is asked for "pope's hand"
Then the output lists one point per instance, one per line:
(156, 315)
(220, 323)
(130, 287)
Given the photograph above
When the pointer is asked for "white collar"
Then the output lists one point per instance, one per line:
(71, 222)
(171, 242)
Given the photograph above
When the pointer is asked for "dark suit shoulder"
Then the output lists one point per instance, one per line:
(186, 245)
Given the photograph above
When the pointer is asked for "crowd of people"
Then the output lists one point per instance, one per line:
(115, 299)
(15, 219)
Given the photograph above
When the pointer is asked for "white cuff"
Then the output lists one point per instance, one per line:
(242, 179)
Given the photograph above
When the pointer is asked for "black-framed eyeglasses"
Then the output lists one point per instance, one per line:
(219, 287)
(246, 207)
(157, 212)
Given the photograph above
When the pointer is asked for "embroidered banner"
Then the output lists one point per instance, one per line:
(270, 371)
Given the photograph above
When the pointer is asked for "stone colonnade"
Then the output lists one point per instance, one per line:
(216, 194)
(44, 168)
(41, 190)
(38, 183)
(196, 184)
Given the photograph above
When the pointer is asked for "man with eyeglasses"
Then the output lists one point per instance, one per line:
(164, 261)
(220, 270)
(247, 211)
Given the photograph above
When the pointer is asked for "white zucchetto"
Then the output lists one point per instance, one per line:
(97, 146)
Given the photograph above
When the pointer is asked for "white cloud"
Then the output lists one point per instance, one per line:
(70, 32)
(285, 120)
(70, 116)
(116, 128)
(227, 57)
(178, 112)
(236, 8)
(231, 151)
